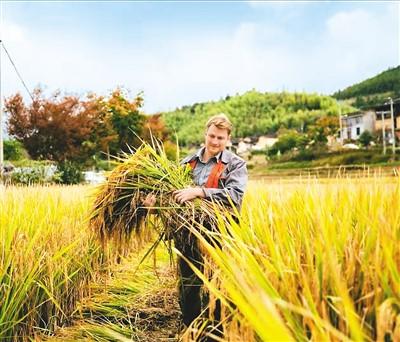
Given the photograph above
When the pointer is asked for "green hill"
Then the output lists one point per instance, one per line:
(252, 113)
(374, 90)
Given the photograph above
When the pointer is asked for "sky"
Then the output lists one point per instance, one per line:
(180, 52)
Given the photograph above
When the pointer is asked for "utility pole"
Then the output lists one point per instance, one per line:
(383, 129)
(383, 132)
(392, 121)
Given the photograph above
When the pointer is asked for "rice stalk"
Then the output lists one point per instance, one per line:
(119, 212)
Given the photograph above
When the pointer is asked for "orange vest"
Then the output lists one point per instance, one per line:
(215, 174)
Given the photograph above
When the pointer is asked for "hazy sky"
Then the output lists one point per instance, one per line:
(184, 52)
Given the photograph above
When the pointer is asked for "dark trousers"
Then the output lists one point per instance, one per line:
(190, 287)
(193, 300)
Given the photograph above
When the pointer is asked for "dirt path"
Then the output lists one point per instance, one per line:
(158, 316)
(134, 304)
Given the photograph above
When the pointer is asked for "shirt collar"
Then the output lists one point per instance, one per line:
(199, 155)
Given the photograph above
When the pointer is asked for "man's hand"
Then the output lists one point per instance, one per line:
(150, 200)
(188, 194)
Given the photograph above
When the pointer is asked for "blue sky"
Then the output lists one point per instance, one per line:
(184, 52)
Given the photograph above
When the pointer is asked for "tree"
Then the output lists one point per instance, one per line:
(13, 150)
(104, 134)
(71, 129)
(287, 141)
(56, 129)
(125, 119)
(252, 113)
(325, 126)
(154, 125)
(365, 138)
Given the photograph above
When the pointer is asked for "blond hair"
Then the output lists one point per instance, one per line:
(220, 121)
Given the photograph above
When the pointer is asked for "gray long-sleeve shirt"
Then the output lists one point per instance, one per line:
(233, 180)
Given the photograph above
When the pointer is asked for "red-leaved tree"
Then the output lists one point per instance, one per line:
(59, 128)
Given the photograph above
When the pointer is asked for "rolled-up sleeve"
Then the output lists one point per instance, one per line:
(234, 185)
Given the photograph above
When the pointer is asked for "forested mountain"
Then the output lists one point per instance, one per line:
(374, 90)
(253, 113)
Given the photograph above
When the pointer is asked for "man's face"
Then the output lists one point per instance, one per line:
(216, 140)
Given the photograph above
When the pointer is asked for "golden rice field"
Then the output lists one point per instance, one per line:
(309, 260)
(47, 258)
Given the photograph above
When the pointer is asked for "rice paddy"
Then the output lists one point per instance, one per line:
(310, 259)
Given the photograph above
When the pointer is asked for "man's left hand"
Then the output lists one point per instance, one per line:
(188, 194)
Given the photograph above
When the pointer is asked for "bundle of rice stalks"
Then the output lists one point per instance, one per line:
(119, 210)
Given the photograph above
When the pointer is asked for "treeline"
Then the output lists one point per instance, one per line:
(85, 130)
(374, 90)
(253, 114)
(80, 130)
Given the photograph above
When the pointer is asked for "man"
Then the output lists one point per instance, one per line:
(232, 172)
(219, 175)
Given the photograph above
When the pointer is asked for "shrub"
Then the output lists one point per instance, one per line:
(380, 158)
(31, 175)
(69, 173)
(13, 150)
(288, 141)
(305, 155)
(365, 138)
(354, 157)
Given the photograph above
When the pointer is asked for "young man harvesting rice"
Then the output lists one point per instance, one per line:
(221, 176)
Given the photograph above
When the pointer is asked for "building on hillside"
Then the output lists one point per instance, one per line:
(383, 116)
(264, 142)
(354, 124)
(244, 146)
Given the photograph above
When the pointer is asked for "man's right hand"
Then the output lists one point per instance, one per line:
(188, 194)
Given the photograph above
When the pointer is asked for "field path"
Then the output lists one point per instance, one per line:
(138, 304)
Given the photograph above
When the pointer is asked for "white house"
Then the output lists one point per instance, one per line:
(251, 144)
(264, 141)
(354, 124)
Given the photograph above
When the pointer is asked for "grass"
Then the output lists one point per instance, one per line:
(318, 260)
(138, 302)
(325, 163)
(47, 258)
(118, 209)
(312, 259)
(300, 169)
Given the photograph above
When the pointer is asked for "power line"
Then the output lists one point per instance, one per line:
(16, 70)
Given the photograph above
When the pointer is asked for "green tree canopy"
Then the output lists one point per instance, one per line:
(253, 114)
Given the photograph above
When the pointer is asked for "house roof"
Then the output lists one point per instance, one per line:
(386, 106)
(352, 115)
